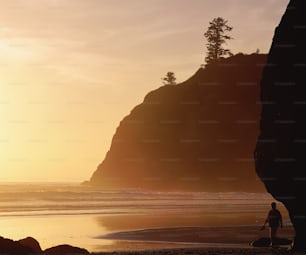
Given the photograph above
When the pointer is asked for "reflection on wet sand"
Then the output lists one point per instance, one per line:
(184, 230)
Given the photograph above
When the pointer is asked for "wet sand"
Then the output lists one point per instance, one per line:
(241, 235)
(203, 251)
(194, 240)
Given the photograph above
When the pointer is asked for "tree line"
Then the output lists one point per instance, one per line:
(216, 36)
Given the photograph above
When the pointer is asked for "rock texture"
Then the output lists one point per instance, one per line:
(65, 250)
(30, 246)
(266, 242)
(10, 247)
(198, 135)
(281, 149)
(31, 243)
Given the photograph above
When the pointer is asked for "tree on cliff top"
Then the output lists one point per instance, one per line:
(169, 79)
(216, 36)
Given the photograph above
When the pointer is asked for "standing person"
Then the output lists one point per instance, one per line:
(275, 221)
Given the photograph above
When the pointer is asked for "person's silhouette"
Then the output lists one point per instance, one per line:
(275, 220)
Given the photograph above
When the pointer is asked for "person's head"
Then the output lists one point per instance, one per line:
(273, 205)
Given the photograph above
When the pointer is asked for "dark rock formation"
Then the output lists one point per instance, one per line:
(31, 243)
(266, 241)
(30, 246)
(65, 250)
(10, 247)
(198, 135)
(280, 154)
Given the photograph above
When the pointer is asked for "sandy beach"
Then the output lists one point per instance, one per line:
(240, 235)
(137, 222)
(202, 251)
(194, 240)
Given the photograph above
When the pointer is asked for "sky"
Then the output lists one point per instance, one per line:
(70, 70)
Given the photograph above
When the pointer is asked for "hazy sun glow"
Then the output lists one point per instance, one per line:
(71, 70)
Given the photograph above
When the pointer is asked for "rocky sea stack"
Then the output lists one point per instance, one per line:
(281, 149)
(195, 136)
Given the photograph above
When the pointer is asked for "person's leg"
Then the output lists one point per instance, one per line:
(273, 231)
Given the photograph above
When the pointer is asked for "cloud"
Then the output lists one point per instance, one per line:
(114, 34)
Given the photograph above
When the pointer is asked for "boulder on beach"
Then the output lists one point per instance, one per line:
(11, 247)
(31, 243)
(265, 242)
(65, 250)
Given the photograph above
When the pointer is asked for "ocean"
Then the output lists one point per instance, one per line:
(59, 213)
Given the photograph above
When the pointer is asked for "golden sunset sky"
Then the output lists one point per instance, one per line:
(70, 70)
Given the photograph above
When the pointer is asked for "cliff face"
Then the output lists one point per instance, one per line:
(281, 148)
(197, 135)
